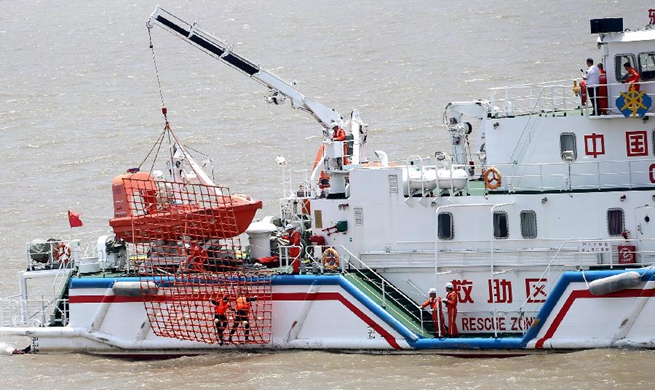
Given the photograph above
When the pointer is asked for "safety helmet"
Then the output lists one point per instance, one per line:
(432, 291)
(288, 227)
(333, 125)
(449, 286)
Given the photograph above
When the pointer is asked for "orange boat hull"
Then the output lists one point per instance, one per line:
(188, 221)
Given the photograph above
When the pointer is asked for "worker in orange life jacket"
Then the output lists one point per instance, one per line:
(197, 258)
(220, 316)
(631, 77)
(339, 134)
(434, 303)
(293, 237)
(243, 312)
(451, 304)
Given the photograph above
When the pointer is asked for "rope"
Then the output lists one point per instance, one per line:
(161, 94)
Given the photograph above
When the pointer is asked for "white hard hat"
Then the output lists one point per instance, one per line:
(333, 125)
(432, 291)
(449, 285)
(288, 227)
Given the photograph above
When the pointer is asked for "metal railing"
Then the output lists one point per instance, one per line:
(351, 264)
(577, 175)
(554, 96)
(39, 312)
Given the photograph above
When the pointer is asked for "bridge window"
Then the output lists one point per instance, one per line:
(501, 230)
(647, 66)
(445, 229)
(621, 59)
(567, 147)
(529, 224)
(615, 222)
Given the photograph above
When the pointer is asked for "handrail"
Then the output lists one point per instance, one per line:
(12, 312)
(383, 282)
(529, 125)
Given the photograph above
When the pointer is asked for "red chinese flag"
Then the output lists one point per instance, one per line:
(74, 219)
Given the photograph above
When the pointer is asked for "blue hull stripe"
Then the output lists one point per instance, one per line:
(412, 339)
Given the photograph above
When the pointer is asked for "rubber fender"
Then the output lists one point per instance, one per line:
(614, 283)
(134, 289)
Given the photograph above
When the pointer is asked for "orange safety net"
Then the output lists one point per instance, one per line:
(189, 260)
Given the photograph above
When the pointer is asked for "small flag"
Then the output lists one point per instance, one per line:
(74, 219)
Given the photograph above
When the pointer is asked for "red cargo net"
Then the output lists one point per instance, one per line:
(189, 260)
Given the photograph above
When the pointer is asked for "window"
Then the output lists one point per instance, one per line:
(318, 219)
(615, 222)
(445, 228)
(393, 183)
(359, 216)
(528, 224)
(501, 229)
(567, 147)
(647, 66)
(621, 59)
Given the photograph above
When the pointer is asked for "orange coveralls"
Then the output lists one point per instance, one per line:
(439, 323)
(451, 303)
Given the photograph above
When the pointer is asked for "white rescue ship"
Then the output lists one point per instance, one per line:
(538, 235)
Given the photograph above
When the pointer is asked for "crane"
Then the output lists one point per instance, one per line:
(333, 161)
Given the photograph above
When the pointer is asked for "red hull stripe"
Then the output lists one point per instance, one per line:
(582, 294)
(326, 296)
(334, 296)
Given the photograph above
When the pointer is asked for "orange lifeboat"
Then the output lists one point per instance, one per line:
(147, 209)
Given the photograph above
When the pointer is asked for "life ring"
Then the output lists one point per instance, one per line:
(492, 178)
(331, 259)
(62, 253)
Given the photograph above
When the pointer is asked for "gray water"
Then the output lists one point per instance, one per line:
(79, 103)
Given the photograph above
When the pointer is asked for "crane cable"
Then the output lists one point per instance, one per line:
(164, 111)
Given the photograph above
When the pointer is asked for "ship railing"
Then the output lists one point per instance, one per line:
(34, 312)
(577, 174)
(350, 263)
(528, 99)
(608, 252)
(614, 92)
(52, 254)
(286, 260)
(512, 253)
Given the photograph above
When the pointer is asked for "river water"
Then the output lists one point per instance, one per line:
(80, 103)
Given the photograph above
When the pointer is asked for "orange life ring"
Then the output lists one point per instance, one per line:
(331, 259)
(492, 178)
(62, 253)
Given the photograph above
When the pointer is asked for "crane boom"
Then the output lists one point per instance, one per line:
(223, 52)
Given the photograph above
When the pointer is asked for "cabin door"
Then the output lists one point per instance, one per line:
(645, 219)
